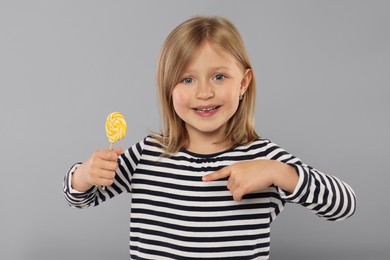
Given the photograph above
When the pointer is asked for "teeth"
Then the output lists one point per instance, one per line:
(205, 109)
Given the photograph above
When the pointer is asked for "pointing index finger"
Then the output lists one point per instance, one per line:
(217, 175)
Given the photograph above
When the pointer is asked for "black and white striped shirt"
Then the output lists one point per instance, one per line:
(175, 215)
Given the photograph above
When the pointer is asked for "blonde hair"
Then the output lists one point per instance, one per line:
(176, 53)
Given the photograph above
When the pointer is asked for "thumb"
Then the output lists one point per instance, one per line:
(118, 150)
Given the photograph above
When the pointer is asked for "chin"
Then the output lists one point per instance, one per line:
(210, 130)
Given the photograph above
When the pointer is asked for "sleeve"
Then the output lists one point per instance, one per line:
(127, 164)
(325, 195)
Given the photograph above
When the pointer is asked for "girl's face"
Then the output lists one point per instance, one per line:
(208, 92)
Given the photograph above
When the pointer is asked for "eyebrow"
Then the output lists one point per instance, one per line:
(216, 68)
(220, 67)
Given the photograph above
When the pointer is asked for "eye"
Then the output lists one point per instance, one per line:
(187, 80)
(219, 77)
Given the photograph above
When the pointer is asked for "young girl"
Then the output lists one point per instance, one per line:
(207, 186)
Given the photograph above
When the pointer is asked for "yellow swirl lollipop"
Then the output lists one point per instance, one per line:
(115, 127)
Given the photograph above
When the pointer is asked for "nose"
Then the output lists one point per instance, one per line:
(205, 91)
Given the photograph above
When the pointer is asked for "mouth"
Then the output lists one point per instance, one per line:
(206, 109)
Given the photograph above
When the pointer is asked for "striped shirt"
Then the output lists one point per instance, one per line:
(175, 215)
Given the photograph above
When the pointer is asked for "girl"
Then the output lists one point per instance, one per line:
(207, 186)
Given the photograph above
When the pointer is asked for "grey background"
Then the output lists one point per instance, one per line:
(322, 70)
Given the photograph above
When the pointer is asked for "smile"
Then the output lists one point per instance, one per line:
(206, 109)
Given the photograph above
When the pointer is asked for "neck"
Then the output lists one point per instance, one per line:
(208, 149)
(207, 143)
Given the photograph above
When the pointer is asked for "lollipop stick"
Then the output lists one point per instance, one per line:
(109, 148)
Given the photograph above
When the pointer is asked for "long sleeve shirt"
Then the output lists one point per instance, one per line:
(175, 215)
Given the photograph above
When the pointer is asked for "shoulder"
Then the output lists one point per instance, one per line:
(259, 148)
(256, 144)
(149, 145)
(152, 141)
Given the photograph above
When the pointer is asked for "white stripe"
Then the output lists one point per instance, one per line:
(225, 233)
(200, 224)
(203, 213)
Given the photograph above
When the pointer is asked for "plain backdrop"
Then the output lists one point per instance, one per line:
(323, 80)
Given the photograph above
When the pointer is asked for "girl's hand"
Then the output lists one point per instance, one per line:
(250, 176)
(98, 170)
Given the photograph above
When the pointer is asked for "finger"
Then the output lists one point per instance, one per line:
(102, 178)
(231, 184)
(108, 155)
(238, 193)
(109, 165)
(98, 164)
(105, 174)
(105, 182)
(105, 178)
(217, 175)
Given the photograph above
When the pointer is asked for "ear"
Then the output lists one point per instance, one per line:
(246, 80)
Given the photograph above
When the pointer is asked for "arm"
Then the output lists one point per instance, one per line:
(99, 170)
(83, 183)
(325, 195)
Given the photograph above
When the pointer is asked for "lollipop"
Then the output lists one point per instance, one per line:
(115, 127)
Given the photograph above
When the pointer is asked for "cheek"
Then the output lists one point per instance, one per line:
(180, 100)
(232, 97)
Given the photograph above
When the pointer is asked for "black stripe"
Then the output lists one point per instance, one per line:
(121, 182)
(199, 219)
(329, 206)
(201, 239)
(161, 194)
(188, 168)
(180, 187)
(191, 208)
(304, 182)
(200, 249)
(157, 253)
(199, 229)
